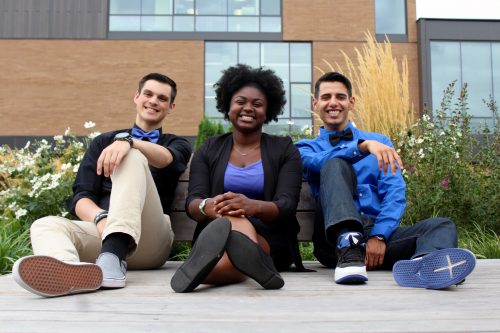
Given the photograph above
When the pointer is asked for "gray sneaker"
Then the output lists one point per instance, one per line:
(113, 270)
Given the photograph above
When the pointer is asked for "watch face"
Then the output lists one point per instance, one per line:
(122, 135)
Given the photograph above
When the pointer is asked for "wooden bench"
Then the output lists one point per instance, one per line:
(184, 227)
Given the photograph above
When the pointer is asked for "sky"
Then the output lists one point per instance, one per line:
(469, 9)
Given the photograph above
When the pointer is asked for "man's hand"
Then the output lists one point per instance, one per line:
(385, 155)
(111, 157)
(375, 252)
(233, 204)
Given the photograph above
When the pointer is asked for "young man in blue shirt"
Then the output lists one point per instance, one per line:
(355, 177)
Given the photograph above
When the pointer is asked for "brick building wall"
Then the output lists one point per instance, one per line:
(48, 85)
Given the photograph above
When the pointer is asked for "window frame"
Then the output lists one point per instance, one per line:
(393, 38)
(448, 30)
(172, 34)
(285, 120)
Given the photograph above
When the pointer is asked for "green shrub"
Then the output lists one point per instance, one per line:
(36, 182)
(206, 129)
(447, 172)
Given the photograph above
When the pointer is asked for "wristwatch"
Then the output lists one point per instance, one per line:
(380, 238)
(202, 205)
(124, 136)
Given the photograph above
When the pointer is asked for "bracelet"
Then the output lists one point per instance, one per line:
(101, 215)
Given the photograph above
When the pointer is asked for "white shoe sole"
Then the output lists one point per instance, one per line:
(351, 274)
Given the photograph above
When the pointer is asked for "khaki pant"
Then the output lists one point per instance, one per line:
(135, 209)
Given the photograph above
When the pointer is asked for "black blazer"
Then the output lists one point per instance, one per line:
(282, 179)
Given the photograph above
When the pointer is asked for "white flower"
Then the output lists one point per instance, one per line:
(89, 124)
(425, 117)
(75, 168)
(290, 122)
(411, 142)
(420, 140)
(27, 145)
(54, 181)
(65, 166)
(21, 212)
(59, 138)
(457, 155)
(307, 130)
(93, 135)
(67, 131)
(421, 153)
(442, 133)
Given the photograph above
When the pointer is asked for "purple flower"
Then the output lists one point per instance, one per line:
(444, 183)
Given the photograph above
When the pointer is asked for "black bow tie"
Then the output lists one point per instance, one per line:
(336, 137)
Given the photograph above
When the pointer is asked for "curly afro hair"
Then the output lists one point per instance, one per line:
(236, 77)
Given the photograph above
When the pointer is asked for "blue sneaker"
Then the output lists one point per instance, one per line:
(436, 270)
(351, 267)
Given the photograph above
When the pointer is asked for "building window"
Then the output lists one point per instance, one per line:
(390, 20)
(474, 63)
(290, 61)
(261, 16)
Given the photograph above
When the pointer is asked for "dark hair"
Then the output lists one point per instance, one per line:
(236, 77)
(333, 77)
(160, 78)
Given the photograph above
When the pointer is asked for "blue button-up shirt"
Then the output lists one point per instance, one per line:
(378, 195)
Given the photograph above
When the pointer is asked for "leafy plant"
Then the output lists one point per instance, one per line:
(448, 172)
(206, 129)
(35, 182)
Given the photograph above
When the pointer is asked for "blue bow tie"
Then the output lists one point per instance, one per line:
(151, 136)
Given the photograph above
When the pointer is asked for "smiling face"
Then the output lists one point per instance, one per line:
(153, 103)
(333, 105)
(247, 111)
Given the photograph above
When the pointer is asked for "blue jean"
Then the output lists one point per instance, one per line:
(337, 213)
